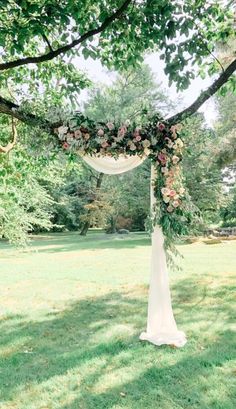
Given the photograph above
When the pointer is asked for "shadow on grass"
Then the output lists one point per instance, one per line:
(66, 242)
(98, 337)
(198, 296)
(66, 339)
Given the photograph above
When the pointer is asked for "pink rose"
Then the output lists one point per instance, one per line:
(100, 132)
(172, 193)
(65, 145)
(161, 127)
(138, 138)
(162, 158)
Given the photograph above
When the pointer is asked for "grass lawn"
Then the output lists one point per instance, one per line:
(71, 312)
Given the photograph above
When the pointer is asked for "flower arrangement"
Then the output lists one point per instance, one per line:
(158, 140)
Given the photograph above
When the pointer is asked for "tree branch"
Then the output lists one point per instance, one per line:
(10, 108)
(205, 95)
(62, 50)
(48, 43)
(10, 145)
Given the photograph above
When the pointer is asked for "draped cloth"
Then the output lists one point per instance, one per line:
(161, 325)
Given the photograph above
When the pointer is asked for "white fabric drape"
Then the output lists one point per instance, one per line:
(161, 325)
(112, 166)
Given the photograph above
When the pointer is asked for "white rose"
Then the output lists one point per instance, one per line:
(179, 143)
(165, 191)
(132, 147)
(146, 143)
(166, 199)
(62, 130)
(146, 151)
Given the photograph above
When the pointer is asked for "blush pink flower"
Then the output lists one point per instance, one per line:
(176, 203)
(138, 138)
(105, 144)
(65, 145)
(170, 209)
(78, 134)
(110, 126)
(86, 136)
(100, 132)
(175, 159)
(122, 131)
(169, 181)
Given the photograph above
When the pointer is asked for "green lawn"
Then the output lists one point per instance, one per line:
(71, 312)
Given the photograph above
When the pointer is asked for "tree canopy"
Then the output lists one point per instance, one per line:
(118, 33)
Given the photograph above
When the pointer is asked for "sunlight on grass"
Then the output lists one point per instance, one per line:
(71, 313)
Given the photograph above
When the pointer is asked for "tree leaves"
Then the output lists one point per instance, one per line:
(177, 29)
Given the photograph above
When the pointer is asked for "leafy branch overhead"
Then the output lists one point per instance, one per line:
(39, 43)
(117, 32)
(50, 10)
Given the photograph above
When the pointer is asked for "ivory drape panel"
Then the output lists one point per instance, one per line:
(161, 325)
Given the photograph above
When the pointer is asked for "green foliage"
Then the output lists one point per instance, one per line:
(225, 152)
(185, 33)
(228, 211)
(24, 203)
(134, 93)
(28, 175)
(203, 178)
(128, 195)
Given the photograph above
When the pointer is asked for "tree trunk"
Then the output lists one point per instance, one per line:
(85, 228)
(86, 224)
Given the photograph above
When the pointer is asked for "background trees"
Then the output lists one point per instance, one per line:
(40, 83)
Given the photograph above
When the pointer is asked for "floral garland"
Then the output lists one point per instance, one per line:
(158, 140)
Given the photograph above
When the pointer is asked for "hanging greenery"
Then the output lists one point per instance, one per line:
(156, 139)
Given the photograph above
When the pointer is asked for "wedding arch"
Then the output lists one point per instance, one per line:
(113, 149)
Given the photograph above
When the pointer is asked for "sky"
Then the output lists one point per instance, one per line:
(99, 74)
